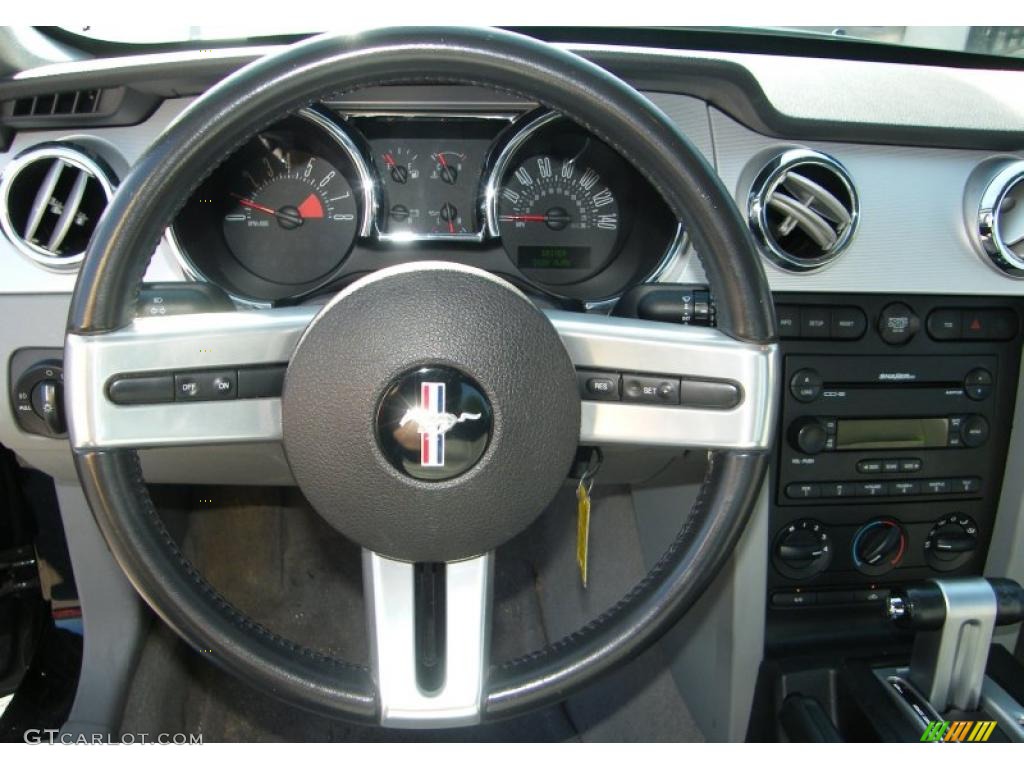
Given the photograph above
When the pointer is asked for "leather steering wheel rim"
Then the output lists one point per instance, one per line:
(271, 88)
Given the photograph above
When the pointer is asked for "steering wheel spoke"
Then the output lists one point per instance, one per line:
(688, 353)
(161, 347)
(429, 638)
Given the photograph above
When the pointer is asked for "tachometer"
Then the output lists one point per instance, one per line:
(292, 215)
(556, 214)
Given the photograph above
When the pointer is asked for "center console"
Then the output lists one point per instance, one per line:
(894, 430)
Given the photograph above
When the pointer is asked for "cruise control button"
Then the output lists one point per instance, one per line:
(709, 394)
(848, 323)
(650, 389)
(598, 385)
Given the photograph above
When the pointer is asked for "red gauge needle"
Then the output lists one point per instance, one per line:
(526, 217)
(451, 226)
(389, 161)
(255, 206)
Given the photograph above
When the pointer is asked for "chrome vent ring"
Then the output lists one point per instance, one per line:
(1000, 222)
(803, 209)
(51, 198)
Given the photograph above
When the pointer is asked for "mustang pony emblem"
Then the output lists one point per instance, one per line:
(432, 422)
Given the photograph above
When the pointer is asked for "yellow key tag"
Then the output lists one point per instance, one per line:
(582, 528)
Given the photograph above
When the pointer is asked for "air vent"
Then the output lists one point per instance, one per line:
(803, 209)
(65, 103)
(51, 198)
(1000, 219)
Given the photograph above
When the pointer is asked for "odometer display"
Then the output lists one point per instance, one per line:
(553, 257)
(558, 214)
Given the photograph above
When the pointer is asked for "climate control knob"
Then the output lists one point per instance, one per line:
(808, 435)
(879, 546)
(802, 549)
(951, 542)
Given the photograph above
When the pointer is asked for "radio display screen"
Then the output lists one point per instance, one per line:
(890, 434)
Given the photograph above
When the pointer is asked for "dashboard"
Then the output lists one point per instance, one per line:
(884, 183)
(324, 196)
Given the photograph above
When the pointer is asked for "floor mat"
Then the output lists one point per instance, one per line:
(278, 561)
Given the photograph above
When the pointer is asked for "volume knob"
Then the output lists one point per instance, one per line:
(809, 435)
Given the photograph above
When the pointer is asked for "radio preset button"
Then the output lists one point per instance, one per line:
(935, 486)
(904, 488)
(806, 385)
(872, 489)
(898, 324)
(803, 490)
(838, 490)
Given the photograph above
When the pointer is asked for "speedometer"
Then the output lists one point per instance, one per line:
(555, 214)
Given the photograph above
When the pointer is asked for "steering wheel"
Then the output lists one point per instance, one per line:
(448, 351)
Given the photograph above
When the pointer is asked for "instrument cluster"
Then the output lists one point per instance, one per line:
(320, 199)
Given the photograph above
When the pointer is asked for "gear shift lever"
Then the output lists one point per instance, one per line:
(954, 620)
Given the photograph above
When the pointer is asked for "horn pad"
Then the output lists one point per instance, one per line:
(430, 412)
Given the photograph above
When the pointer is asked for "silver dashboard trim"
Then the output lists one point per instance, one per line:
(391, 620)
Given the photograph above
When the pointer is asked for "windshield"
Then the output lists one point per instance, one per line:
(990, 41)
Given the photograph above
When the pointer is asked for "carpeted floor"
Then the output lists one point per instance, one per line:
(276, 560)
